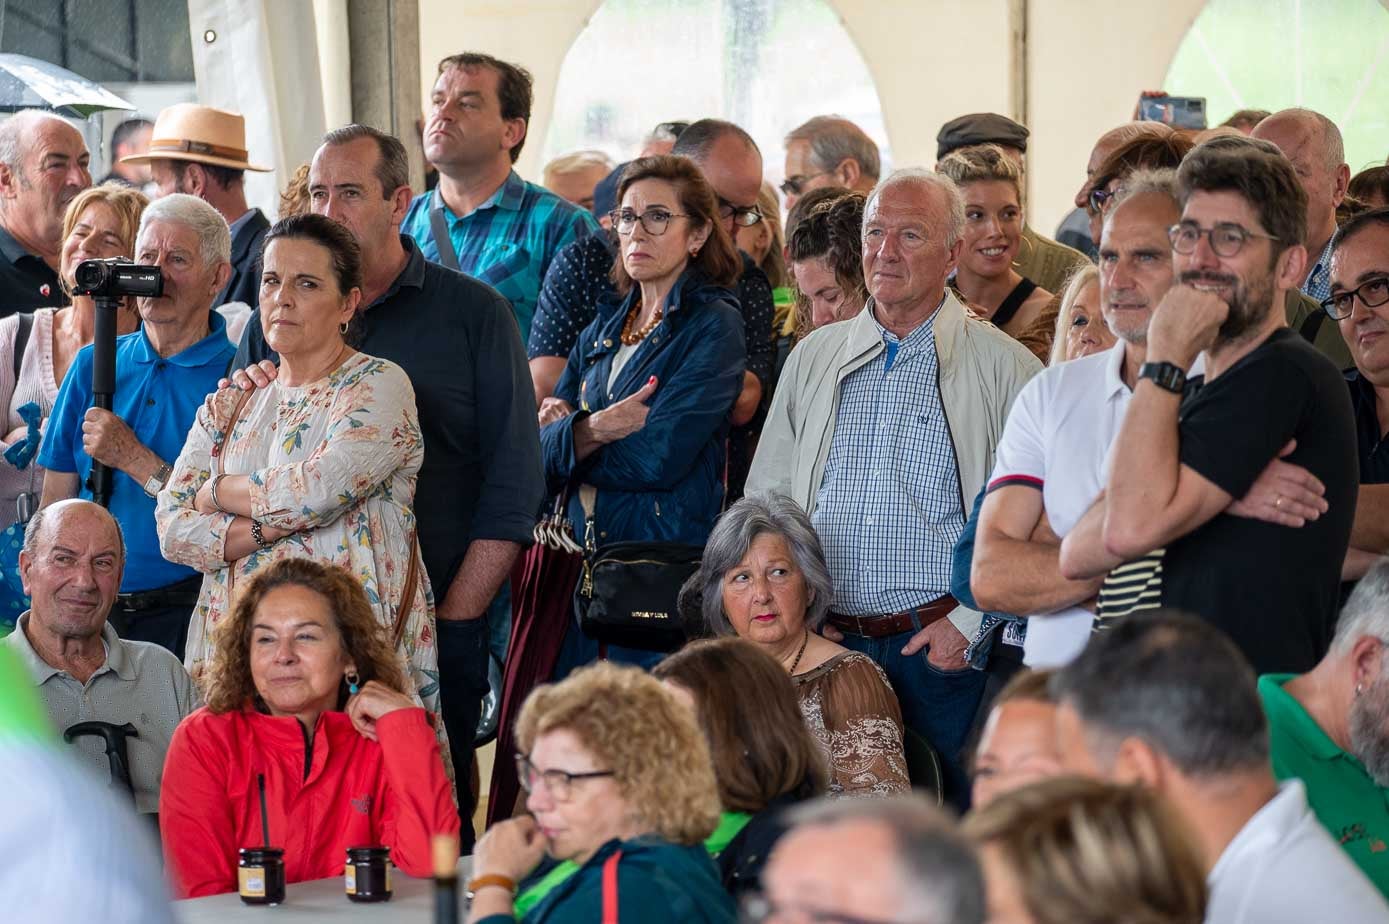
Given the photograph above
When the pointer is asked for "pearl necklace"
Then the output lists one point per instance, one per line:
(632, 337)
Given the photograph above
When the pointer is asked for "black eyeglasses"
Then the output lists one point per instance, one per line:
(795, 185)
(1227, 238)
(655, 221)
(744, 216)
(1372, 292)
(558, 783)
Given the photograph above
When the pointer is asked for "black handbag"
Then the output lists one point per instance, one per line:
(628, 591)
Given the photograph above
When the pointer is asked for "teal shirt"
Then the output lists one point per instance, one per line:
(1342, 794)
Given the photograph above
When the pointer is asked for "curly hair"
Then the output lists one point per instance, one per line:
(1086, 852)
(830, 231)
(658, 755)
(229, 682)
(763, 751)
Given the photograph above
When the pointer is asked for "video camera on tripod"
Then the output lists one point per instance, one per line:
(107, 282)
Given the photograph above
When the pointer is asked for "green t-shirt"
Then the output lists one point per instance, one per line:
(1343, 796)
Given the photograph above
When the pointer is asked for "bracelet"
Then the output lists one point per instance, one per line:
(483, 882)
(212, 490)
(259, 535)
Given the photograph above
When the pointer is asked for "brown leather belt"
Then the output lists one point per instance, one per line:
(883, 624)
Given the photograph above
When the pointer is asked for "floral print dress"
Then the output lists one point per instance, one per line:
(334, 460)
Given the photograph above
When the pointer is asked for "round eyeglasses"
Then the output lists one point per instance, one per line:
(1227, 238)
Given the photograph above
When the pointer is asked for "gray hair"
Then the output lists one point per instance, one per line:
(937, 867)
(213, 234)
(954, 201)
(16, 132)
(1161, 181)
(752, 516)
(834, 139)
(33, 530)
(1366, 611)
(1175, 682)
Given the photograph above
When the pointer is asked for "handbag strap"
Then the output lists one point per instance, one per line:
(610, 888)
(588, 497)
(402, 613)
(213, 465)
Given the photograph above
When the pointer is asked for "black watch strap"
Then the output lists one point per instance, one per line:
(1167, 376)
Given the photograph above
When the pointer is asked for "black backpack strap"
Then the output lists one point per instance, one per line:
(21, 340)
(439, 228)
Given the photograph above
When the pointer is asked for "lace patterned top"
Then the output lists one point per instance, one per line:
(854, 715)
(334, 460)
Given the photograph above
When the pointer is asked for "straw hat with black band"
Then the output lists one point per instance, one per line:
(199, 134)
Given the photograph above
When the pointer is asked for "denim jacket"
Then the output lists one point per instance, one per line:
(663, 483)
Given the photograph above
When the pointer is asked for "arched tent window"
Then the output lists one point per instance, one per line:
(1327, 55)
(767, 65)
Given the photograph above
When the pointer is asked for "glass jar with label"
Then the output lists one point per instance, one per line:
(260, 875)
(367, 874)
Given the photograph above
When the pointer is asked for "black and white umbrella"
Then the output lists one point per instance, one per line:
(28, 83)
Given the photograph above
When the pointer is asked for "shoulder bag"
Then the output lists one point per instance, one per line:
(628, 591)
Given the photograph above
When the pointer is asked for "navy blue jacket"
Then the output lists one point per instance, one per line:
(663, 483)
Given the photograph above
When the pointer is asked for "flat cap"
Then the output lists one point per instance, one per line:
(980, 128)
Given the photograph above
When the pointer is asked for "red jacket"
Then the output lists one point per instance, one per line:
(349, 792)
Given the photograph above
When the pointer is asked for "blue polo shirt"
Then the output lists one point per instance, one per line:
(159, 399)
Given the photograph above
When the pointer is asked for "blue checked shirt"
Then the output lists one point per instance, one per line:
(889, 507)
(508, 241)
(1318, 283)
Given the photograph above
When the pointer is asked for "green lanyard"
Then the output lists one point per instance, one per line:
(730, 823)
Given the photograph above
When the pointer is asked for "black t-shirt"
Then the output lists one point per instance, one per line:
(1273, 589)
(26, 282)
(1374, 448)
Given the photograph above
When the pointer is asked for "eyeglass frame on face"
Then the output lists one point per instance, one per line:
(558, 783)
(1101, 199)
(625, 220)
(744, 216)
(1329, 304)
(1182, 227)
(756, 908)
(795, 185)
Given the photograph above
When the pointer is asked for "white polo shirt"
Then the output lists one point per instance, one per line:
(1283, 868)
(1057, 440)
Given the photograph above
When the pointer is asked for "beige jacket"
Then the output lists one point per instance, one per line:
(981, 371)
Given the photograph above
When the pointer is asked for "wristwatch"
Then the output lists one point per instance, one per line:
(1167, 376)
(159, 479)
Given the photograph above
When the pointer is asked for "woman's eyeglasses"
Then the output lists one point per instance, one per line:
(558, 783)
(655, 221)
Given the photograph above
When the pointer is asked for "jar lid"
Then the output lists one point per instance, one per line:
(366, 854)
(260, 854)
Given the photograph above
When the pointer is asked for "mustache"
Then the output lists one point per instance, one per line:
(1191, 277)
